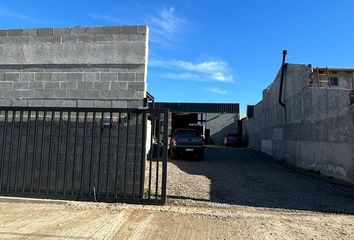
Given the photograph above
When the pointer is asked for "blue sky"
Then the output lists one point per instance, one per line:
(211, 51)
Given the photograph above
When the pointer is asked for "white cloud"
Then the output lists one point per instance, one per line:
(166, 26)
(219, 76)
(7, 13)
(207, 70)
(183, 76)
(203, 67)
(217, 90)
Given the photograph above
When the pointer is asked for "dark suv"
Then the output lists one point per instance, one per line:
(187, 142)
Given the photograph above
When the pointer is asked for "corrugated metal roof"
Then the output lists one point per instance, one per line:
(199, 107)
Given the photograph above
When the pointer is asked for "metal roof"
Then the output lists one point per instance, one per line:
(199, 107)
(339, 69)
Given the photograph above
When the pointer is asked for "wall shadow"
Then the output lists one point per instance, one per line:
(218, 136)
(248, 178)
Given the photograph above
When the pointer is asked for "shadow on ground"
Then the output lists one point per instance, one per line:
(244, 177)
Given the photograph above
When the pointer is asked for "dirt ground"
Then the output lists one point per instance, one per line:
(232, 194)
(77, 220)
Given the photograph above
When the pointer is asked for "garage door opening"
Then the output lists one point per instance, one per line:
(189, 120)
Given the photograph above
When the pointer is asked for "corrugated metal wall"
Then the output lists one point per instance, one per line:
(199, 107)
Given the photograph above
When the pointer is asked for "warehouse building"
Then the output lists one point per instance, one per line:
(213, 120)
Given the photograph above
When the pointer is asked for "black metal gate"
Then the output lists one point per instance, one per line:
(112, 155)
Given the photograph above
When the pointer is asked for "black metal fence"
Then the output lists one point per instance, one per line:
(113, 155)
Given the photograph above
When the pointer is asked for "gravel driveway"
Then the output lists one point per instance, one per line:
(242, 177)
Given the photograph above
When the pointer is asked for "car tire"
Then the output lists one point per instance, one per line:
(173, 154)
(200, 156)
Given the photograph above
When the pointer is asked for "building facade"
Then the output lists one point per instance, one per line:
(314, 128)
(214, 120)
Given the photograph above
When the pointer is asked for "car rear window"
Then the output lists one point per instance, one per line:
(187, 133)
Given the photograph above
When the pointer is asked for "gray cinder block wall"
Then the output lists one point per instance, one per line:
(74, 67)
(96, 67)
(220, 125)
(315, 131)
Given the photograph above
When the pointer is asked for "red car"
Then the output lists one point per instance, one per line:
(231, 139)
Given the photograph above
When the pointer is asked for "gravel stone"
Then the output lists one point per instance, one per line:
(242, 177)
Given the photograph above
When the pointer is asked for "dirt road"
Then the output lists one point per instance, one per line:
(233, 194)
(117, 221)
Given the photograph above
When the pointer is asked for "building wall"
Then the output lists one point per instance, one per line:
(220, 125)
(81, 66)
(345, 78)
(100, 67)
(315, 131)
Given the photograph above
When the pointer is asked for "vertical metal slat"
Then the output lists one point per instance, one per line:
(42, 153)
(58, 154)
(117, 157)
(34, 150)
(75, 153)
(135, 151)
(11, 150)
(152, 136)
(18, 151)
(66, 151)
(50, 152)
(29, 113)
(3, 150)
(143, 156)
(126, 158)
(99, 156)
(165, 156)
(83, 154)
(92, 146)
(109, 149)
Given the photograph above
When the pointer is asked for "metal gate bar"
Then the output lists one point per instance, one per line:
(112, 155)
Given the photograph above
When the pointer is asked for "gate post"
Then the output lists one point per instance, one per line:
(164, 157)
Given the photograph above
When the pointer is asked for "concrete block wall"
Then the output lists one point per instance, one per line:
(77, 45)
(220, 125)
(316, 131)
(94, 67)
(74, 67)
